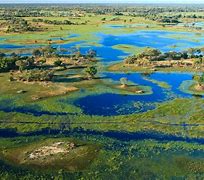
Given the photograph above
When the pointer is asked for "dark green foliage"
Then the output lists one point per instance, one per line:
(23, 64)
(155, 55)
(49, 51)
(199, 78)
(2, 55)
(91, 71)
(55, 22)
(7, 64)
(19, 25)
(58, 63)
(36, 52)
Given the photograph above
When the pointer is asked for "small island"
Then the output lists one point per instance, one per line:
(58, 153)
(151, 60)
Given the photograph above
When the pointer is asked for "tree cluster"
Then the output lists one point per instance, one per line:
(55, 22)
(19, 25)
(151, 54)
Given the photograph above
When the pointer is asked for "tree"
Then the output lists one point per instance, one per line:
(151, 52)
(58, 63)
(91, 53)
(36, 53)
(42, 61)
(199, 79)
(14, 55)
(123, 82)
(198, 61)
(91, 71)
(2, 55)
(49, 51)
(78, 54)
(22, 64)
(7, 64)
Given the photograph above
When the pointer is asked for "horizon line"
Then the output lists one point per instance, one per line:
(101, 3)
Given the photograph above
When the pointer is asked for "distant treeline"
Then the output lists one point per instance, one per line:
(81, 10)
(56, 22)
(19, 25)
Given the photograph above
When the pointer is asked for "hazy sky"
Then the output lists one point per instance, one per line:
(103, 1)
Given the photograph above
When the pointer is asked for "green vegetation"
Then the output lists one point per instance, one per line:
(19, 25)
(123, 82)
(115, 157)
(91, 71)
(150, 60)
(7, 64)
(32, 75)
(150, 54)
(199, 79)
(199, 86)
(58, 153)
(44, 132)
(159, 83)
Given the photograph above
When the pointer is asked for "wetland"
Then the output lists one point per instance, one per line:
(97, 92)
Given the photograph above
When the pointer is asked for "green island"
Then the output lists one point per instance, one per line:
(98, 91)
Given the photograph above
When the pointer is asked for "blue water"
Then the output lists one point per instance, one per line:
(114, 104)
(105, 53)
(119, 26)
(193, 24)
(163, 40)
(155, 39)
(10, 46)
(122, 136)
(115, 26)
(13, 46)
(65, 38)
(8, 106)
(108, 104)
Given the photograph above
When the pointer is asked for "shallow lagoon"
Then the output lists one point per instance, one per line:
(163, 40)
(108, 104)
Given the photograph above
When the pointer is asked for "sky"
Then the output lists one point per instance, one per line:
(104, 1)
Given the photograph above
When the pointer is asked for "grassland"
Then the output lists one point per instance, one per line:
(94, 24)
(136, 158)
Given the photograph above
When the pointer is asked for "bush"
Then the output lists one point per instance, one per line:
(58, 63)
(91, 71)
(7, 64)
(33, 75)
